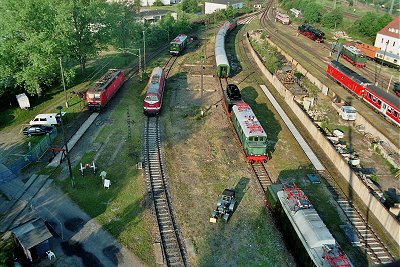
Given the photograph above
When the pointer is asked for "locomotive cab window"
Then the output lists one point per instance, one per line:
(151, 98)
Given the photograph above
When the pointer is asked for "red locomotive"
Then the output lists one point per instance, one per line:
(154, 92)
(382, 101)
(104, 89)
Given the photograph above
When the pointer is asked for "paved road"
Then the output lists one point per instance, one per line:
(79, 240)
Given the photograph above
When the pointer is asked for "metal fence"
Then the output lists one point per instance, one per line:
(10, 171)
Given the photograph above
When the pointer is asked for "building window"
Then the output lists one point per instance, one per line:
(382, 40)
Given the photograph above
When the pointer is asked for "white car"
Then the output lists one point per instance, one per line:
(348, 113)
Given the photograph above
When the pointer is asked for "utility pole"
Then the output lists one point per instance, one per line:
(63, 82)
(144, 51)
(66, 148)
(384, 55)
(390, 81)
(140, 66)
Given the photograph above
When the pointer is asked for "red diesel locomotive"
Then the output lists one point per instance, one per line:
(379, 99)
(104, 89)
(154, 92)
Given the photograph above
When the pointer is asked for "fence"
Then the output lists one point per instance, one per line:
(10, 171)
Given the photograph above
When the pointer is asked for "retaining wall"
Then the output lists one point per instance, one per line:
(386, 218)
(359, 119)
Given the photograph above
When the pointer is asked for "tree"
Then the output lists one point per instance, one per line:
(29, 46)
(189, 6)
(123, 29)
(369, 24)
(84, 28)
(312, 12)
(332, 19)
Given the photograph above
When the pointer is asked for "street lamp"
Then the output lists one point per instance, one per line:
(63, 82)
(140, 60)
(66, 148)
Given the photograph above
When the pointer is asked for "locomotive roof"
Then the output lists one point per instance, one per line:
(154, 81)
(102, 83)
(350, 73)
(352, 49)
(179, 39)
(313, 233)
(247, 120)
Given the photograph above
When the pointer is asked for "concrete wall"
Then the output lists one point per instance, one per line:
(388, 221)
(369, 128)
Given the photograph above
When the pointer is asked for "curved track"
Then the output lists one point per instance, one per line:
(304, 53)
(171, 241)
(371, 243)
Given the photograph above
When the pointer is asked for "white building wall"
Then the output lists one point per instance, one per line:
(389, 44)
(210, 8)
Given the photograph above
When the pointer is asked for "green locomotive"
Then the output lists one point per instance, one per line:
(250, 132)
(177, 45)
(353, 55)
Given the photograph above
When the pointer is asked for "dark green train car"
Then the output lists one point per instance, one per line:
(177, 45)
(250, 132)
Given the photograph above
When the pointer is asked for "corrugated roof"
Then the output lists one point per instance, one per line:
(313, 228)
(32, 233)
(392, 29)
(154, 83)
(248, 121)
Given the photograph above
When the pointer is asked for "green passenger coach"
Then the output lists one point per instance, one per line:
(250, 132)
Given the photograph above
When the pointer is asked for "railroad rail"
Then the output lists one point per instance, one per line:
(373, 245)
(170, 237)
(169, 64)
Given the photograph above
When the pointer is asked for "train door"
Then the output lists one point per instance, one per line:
(223, 71)
(383, 107)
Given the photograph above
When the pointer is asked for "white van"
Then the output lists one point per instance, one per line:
(348, 113)
(47, 119)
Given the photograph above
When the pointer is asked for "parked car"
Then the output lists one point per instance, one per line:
(37, 130)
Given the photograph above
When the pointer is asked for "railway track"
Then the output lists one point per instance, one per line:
(169, 64)
(369, 240)
(170, 237)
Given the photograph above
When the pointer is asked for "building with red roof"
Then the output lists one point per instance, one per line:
(388, 41)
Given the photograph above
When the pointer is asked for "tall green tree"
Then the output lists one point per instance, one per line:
(190, 6)
(84, 26)
(29, 44)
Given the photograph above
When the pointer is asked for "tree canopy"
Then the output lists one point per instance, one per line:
(36, 34)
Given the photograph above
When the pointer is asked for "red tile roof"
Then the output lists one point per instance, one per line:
(392, 29)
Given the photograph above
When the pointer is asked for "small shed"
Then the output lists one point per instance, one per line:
(31, 240)
(23, 101)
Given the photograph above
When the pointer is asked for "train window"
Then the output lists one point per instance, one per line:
(96, 96)
(256, 138)
(389, 110)
(379, 102)
(90, 95)
(369, 96)
(395, 113)
(374, 99)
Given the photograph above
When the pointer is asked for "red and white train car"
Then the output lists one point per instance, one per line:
(154, 92)
(379, 99)
(104, 89)
(282, 18)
